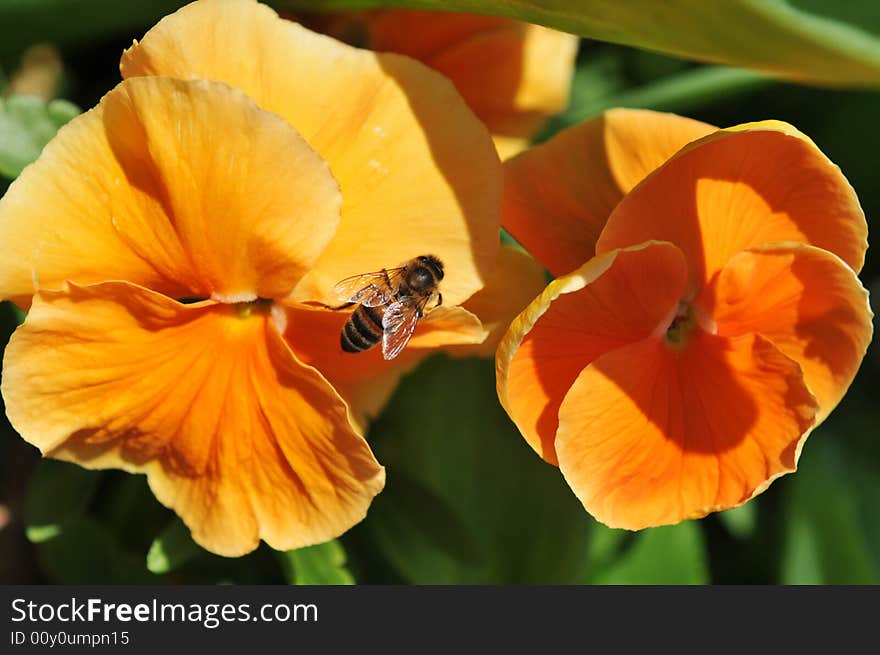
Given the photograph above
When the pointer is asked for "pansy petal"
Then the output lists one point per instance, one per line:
(365, 380)
(547, 70)
(514, 134)
(558, 195)
(424, 35)
(524, 74)
(238, 437)
(650, 436)
(185, 187)
(614, 299)
(448, 326)
(516, 280)
(418, 171)
(450, 43)
(740, 188)
(807, 302)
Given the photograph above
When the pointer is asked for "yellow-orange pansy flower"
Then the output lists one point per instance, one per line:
(415, 170)
(679, 370)
(182, 188)
(513, 75)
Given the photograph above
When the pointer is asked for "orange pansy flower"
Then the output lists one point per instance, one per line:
(513, 75)
(717, 320)
(410, 158)
(175, 243)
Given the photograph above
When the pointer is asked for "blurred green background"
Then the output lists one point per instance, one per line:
(466, 501)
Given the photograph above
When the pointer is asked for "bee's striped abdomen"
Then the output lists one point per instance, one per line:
(362, 330)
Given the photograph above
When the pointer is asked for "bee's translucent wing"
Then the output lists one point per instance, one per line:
(370, 289)
(399, 323)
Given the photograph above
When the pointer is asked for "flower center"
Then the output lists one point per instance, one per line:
(247, 308)
(683, 323)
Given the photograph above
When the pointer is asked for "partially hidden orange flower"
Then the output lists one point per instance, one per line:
(176, 245)
(513, 75)
(707, 314)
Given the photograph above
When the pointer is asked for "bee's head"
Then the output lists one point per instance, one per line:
(431, 262)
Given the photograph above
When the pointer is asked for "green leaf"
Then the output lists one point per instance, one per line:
(437, 542)
(673, 554)
(741, 521)
(66, 22)
(172, 548)
(10, 315)
(831, 518)
(85, 553)
(467, 501)
(57, 496)
(680, 92)
(130, 510)
(803, 40)
(323, 564)
(606, 545)
(27, 124)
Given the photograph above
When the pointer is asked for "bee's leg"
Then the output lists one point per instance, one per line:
(344, 305)
(439, 299)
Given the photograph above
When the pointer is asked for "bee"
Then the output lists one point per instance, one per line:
(390, 304)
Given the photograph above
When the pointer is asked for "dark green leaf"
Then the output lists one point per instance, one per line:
(58, 494)
(681, 92)
(85, 553)
(128, 508)
(172, 548)
(467, 500)
(27, 124)
(75, 21)
(741, 521)
(668, 555)
(606, 545)
(10, 315)
(323, 564)
(830, 513)
(438, 542)
(807, 40)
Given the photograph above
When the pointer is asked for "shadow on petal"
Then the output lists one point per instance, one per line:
(614, 299)
(805, 300)
(650, 436)
(558, 195)
(740, 188)
(468, 163)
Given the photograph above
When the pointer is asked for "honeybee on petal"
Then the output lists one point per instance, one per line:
(390, 304)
